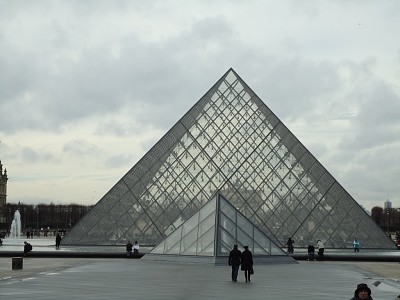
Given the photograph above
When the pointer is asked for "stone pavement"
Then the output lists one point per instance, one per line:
(95, 278)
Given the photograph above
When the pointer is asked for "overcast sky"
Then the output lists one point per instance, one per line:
(88, 87)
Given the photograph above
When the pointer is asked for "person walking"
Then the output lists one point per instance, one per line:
(234, 261)
(356, 245)
(363, 292)
(58, 241)
(247, 262)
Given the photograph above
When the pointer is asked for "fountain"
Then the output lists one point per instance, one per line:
(15, 232)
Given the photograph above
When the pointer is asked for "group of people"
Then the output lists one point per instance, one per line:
(311, 248)
(28, 247)
(320, 246)
(132, 247)
(244, 260)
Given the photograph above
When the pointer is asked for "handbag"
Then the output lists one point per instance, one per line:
(251, 271)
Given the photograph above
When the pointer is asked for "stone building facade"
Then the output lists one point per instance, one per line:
(3, 194)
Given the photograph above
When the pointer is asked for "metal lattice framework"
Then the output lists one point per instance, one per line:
(213, 230)
(229, 141)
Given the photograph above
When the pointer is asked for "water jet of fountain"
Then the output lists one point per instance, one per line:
(15, 231)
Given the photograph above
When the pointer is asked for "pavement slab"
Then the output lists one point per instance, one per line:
(69, 278)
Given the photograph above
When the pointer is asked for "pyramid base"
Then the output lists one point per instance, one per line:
(215, 260)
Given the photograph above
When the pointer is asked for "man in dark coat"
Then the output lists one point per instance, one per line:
(290, 247)
(247, 262)
(311, 252)
(58, 240)
(234, 261)
(129, 249)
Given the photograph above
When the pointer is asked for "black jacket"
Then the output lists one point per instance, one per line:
(247, 259)
(234, 257)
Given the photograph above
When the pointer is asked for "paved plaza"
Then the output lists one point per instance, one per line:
(67, 277)
(89, 278)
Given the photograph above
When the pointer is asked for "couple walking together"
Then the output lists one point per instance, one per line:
(237, 258)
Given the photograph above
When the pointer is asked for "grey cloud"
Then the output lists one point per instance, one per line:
(80, 147)
(115, 127)
(378, 119)
(30, 155)
(63, 80)
(368, 173)
(155, 74)
(118, 161)
(296, 86)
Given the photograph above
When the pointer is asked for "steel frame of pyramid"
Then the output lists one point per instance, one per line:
(232, 142)
(210, 234)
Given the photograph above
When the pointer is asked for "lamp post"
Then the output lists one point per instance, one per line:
(69, 217)
(24, 218)
(66, 217)
(37, 219)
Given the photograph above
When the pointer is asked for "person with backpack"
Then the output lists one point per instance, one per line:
(27, 248)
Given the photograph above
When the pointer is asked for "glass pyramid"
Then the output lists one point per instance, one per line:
(213, 230)
(229, 141)
(209, 236)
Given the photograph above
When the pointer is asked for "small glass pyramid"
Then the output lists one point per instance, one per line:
(213, 230)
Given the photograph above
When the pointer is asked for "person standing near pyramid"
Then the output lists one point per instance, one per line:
(58, 240)
(356, 245)
(234, 261)
(129, 249)
(290, 247)
(311, 251)
(136, 249)
(321, 249)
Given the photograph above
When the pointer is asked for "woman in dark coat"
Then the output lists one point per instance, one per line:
(247, 262)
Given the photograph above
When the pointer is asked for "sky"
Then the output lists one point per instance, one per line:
(88, 87)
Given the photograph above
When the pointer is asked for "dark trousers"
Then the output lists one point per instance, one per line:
(235, 271)
(247, 274)
(321, 252)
